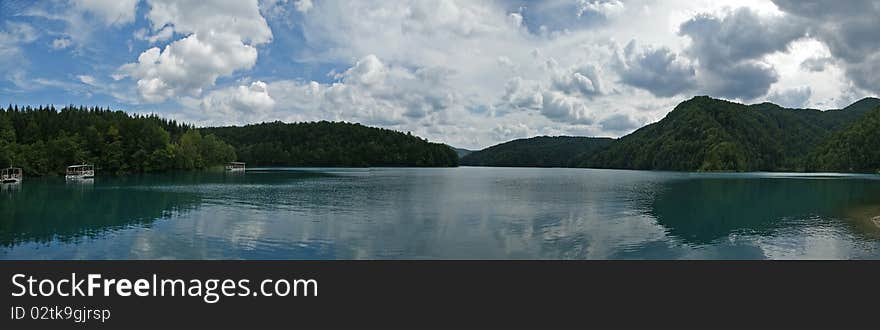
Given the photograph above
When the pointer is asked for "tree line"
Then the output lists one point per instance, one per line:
(331, 144)
(44, 141)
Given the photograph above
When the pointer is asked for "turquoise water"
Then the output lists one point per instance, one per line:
(443, 213)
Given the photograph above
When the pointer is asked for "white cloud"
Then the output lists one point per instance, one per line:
(791, 98)
(303, 6)
(565, 108)
(111, 12)
(605, 8)
(86, 79)
(220, 39)
(12, 58)
(473, 73)
(250, 103)
(162, 34)
(61, 43)
(659, 71)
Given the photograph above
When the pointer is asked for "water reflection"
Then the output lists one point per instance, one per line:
(10, 188)
(459, 213)
(701, 211)
(48, 210)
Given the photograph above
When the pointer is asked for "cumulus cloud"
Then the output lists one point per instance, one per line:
(513, 131)
(816, 64)
(565, 108)
(250, 103)
(163, 34)
(659, 71)
(604, 8)
(849, 30)
(582, 80)
(221, 38)
(522, 94)
(791, 98)
(730, 49)
(619, 123)
(369, 92)
(474, 73)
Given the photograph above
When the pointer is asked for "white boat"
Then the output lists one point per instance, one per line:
(235, 167)
(79, 172)
(11, 175)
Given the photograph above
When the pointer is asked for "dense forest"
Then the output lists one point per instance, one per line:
(705, 134)
(542, 151)
(44, 141)
(855, 148)
(331, 144)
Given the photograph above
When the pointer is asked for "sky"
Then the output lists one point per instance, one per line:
(466, 73)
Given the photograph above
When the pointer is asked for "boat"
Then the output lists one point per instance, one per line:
(235, 167)
(11, 175)
(79, 172)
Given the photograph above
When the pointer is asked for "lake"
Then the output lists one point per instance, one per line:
(443, 213)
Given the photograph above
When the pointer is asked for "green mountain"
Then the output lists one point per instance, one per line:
(542, 151)
(331, 144)
(705, 134)
(855, 148)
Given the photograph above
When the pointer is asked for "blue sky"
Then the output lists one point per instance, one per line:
(468, 73)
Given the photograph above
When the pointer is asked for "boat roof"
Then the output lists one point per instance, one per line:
(237, 163)
(74, 166)
(12, 168)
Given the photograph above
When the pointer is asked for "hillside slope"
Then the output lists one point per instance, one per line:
(331, 144)
(856, 148)
(542, 151)
(705, 134)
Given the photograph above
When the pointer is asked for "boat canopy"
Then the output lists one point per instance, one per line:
(11, 171)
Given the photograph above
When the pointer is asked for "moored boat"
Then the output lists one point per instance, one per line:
(11, 175)
(78, 172)
(235, 167)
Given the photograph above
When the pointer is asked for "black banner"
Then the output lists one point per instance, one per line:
(128, 294)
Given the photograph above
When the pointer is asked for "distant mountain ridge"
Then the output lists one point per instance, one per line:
(706, 134)
(542, 151)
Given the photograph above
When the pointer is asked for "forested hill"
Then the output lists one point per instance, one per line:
(44, 141)
(543, 151)
(331, 144)
(855, 148)
(705, 134)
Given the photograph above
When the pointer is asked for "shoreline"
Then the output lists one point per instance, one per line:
(220, 169)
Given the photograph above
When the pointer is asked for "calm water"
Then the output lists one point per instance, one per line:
(449, 213)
